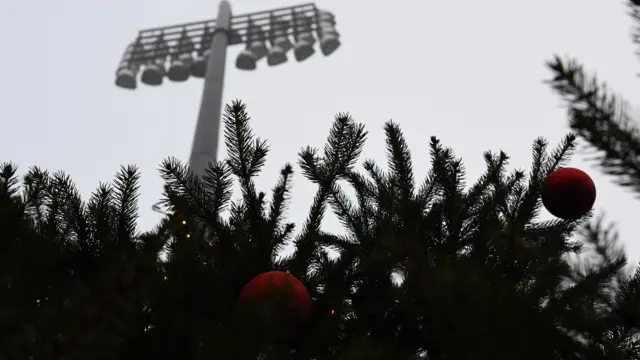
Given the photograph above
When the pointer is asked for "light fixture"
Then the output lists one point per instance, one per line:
(280, 43)
(127, 72)
(255, 50)
(181, 60)
(303, 48)
(199, 65)
(257, 42)
(329, 37)
(246, 60)
(154, 70)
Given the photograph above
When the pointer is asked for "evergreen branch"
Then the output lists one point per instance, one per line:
(311, 164)
(247, 156)
(446, 166)
(185, 193)
(496, 167)
(627, 307)
(602, 119)
(259, 151)
(280, 239)
(36, 182)
(383, 189)
(431, 188)
(634, 12)
(342, 149)
(305, 243)
(365, 195)
(56, 228)
(452, 180)
(479, 189)
(539, 154)
(9, 183)
(344, 145)
(561, 154)
(603, 245)
(280, 198)
(344, 210)
(126, 192)
(514, 191)
(102, 215)
(76, 218)
(529, 205)
(238, 138)
(218, 183)
(399, 157)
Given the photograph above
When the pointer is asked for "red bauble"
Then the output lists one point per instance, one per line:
(568, 193)
(277, 302)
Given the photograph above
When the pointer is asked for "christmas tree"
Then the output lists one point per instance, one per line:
(437, 268)
(479, 275)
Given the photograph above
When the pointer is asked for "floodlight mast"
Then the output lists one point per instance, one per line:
(209, 40)
(204, 149)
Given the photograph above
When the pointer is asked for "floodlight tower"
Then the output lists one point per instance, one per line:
(199, 50)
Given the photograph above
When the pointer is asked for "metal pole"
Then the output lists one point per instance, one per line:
(204, 149)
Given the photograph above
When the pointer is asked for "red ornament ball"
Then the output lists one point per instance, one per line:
(568, 193)
(276, 301)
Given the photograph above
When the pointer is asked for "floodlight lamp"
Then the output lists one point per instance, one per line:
(128, 69)
(303, 49)
(256, 42)
(279, 36)
(329, 43)
(258, 49)
(329, 37)
(126, 77)
(181, 59)
(153, 74)
(178, 70)
(283, 42)
(276, 56)
(246, 60)
(198, 67)
(154, 70)
(326, 18)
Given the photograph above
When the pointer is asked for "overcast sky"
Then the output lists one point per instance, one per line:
(469, 72)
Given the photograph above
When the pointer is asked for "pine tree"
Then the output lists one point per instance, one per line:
(481, 276)
(601, 117)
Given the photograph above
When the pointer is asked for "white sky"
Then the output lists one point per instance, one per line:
(468, 72)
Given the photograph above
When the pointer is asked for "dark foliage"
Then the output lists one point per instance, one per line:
(438, 269)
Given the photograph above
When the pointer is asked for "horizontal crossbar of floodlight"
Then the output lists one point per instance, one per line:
(238, 31)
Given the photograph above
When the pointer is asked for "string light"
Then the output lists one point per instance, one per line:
(188, 236)
(184, 222)
(37, 301)
(210, 243)
(165, 278)
(396, 301)
(333, 312)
